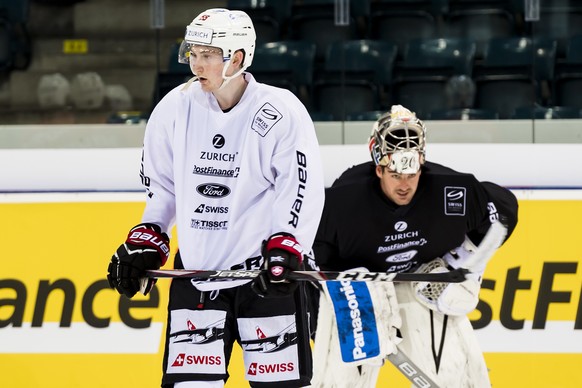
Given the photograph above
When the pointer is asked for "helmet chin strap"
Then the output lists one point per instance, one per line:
(226, 79)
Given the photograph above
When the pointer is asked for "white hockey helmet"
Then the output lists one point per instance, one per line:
(398, 141)
(224, 29)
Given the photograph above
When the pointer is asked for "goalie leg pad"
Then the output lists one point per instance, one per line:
(330, 369)
(461, 363)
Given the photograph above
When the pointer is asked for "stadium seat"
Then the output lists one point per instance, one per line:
(270, 17)
(166, 82)
(568, 76)
(401, 26)
(559, 21)
(315, 21)
(287, 64)
(421, 77)
(480, 23)
(5, 49)
(16, 11)
(463, 114)
(354, 77)
(514, 72)
(14, 17)
(546, 113)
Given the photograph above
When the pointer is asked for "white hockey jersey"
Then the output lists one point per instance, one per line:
(230, 180)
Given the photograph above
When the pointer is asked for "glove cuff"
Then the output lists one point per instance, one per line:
(283, 241)
(150, 235)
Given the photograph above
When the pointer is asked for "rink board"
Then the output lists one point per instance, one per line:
(530, 312)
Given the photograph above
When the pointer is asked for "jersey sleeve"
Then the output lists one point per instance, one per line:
(299, 183)
(156, 167)
(500, 204)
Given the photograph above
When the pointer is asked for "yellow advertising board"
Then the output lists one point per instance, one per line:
(61, 326)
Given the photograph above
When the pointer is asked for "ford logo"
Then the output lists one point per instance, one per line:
(213, 190)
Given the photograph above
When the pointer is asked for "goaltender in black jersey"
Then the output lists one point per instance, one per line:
(401, 213)
(362, 226)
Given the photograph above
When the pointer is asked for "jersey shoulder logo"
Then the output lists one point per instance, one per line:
(265, 118)
(455, 200)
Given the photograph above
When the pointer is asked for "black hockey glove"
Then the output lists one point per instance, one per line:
(146, 248)
(282, 254)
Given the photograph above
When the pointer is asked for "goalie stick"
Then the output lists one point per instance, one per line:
(409, 369)
(486, 249)
(454, 276)
(484, 252)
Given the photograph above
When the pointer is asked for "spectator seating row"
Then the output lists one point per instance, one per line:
(400, 21)
(365, 75)
(15, 44)
(529, 112)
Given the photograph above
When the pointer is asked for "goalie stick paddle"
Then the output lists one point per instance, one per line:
(455, 276)
(485, 251)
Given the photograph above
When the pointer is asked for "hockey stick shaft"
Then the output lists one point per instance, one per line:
(410, 370)
(486, 249)
(455, 276)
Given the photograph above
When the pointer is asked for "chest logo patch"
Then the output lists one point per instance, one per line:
(213, 190)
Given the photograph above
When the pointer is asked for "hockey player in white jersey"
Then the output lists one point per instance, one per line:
(235, 165)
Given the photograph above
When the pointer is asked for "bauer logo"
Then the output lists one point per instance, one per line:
(455, 198)
(213, 190)
(354, 311)
(265, 119)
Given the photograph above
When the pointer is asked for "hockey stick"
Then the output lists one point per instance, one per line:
(486, 249)
(455, 276)
(409, 369)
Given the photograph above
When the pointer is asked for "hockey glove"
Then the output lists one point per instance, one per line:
(146, 248)
(451, 298)
(282, 254)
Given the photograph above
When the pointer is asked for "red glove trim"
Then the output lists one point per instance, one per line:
(147, 235)
(287, 243)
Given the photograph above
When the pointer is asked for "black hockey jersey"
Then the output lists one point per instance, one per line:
(361, 227)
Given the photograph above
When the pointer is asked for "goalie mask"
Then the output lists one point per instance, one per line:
(222, 29)
(397, 141)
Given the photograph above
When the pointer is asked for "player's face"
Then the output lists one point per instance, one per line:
(399, 188)
(207, 63)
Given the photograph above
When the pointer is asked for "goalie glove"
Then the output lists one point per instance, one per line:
(451, 298)
(282, 254)
(146, 247)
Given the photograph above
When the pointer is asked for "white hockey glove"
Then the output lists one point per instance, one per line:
(451, 298)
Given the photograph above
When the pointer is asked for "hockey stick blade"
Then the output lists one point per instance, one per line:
(455, 276)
